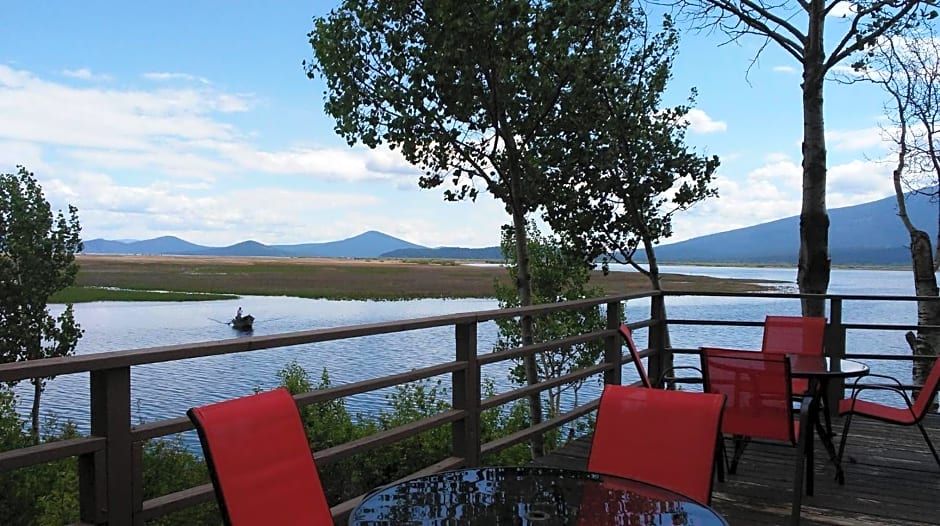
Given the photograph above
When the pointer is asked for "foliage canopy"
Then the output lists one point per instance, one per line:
(37, 259)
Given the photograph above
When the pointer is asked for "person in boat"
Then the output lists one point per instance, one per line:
(238, 315)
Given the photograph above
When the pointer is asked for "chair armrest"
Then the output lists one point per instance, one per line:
(666, 377)
(879, 387)
(897, 382)
(805, 424)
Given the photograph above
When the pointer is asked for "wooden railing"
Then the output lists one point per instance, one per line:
(110, 458)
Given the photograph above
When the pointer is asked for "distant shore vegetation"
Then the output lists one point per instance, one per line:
(88, 294)
(174, 278)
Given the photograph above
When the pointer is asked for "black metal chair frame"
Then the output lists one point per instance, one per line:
(858, 388)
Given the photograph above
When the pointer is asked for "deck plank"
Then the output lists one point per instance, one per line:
(891, 479)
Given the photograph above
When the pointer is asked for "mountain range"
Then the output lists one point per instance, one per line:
(865, 234)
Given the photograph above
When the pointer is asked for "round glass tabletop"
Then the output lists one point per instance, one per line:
(818, 366)
(528, 496)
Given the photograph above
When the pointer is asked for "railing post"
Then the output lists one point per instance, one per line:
(138, 482)
(105, 483)
(466, 396)
(835, 349)
(661, 360)
(612, 347)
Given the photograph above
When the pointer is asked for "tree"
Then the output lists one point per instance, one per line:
(798, 28)
(37, 259)
(557, 275)
(619, 191)
(468, 91)
(908, 69)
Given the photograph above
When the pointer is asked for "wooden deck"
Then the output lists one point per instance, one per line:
(892, 479)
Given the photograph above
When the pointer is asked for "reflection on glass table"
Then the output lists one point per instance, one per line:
(528, 496)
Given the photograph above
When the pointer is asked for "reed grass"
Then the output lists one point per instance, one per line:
(87, 294)
(338, 278)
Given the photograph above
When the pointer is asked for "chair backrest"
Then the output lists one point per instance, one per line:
(794, 335)
(631, 345)
(661, 437)
(261, 466)
(757, 387)
(928, 392)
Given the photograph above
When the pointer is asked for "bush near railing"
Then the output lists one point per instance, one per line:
(330, 424)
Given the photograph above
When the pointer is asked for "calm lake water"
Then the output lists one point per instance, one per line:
(166, 390)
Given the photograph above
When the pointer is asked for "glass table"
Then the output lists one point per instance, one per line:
(528, 496)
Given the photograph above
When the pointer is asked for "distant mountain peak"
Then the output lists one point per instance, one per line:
(370, 244)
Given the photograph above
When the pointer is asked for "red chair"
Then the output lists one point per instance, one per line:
(631, 345)
(912, 415)
(758, 391)
(664, 438)
(795, 335)
(259, 461)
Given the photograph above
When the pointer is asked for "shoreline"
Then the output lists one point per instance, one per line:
(339, 278)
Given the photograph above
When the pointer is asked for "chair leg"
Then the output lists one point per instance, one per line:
(929, 443)
(845, 435)
(798, 475)
(740, 442)
(720, 456)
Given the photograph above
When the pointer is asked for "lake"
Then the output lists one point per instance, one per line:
(166, 390)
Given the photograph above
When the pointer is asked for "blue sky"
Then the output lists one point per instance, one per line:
(195, 119)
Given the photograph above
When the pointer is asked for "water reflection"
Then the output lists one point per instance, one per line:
(528, 496)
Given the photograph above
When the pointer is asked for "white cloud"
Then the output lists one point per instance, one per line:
(166, 76)
(785, 69)
(846, 72)
(701, 122)
(859, 181)
(337, 164)
(855, 140)
(13, 153)
(85, 74)
(174, 132)
(44, 112)
(776, 157)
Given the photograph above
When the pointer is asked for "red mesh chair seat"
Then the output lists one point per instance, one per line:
(910, 415)
(664, 438)
(261, 466)
(878, 411)
(795, 335)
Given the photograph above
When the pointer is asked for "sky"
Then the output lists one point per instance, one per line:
(196, 119)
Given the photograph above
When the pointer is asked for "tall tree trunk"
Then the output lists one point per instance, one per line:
(666, 362)
(34, 412)
(925, 342)
(525, 299)
(814, 265)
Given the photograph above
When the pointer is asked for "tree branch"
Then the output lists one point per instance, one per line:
(844, 49)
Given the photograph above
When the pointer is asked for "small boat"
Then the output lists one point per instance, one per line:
(242, 323)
